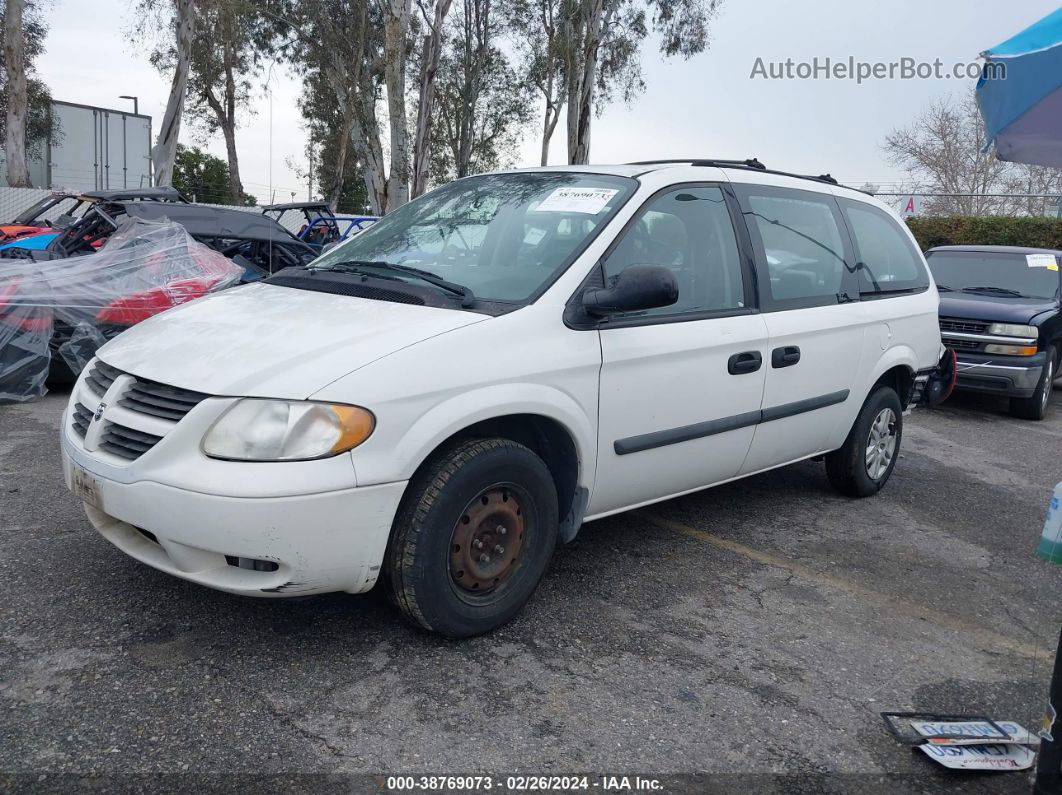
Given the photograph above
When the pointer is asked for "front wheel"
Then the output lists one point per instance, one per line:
(863, 464)
(472, 538)
(1035, 407)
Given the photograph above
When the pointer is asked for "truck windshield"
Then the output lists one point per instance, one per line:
(503, 236)
(1002, 274)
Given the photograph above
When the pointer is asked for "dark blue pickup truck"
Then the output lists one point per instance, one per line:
(1000, 313)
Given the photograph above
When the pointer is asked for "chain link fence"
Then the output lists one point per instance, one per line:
(971, 204)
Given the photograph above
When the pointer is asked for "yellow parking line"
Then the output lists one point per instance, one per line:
(991, 641)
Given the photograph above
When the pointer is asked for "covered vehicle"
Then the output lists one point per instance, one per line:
(257, 244)
(61, 311)
(38, 225)
(37, 218)
(320, 227)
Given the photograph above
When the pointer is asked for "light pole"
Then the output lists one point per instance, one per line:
(136, 103)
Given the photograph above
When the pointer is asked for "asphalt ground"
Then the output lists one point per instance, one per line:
(751, 632)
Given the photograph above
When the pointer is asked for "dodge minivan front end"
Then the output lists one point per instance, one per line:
(175, 478)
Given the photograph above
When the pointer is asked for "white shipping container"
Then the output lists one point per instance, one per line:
(97, 149)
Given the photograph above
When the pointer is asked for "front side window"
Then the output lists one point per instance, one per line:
(802, 244)
(1001, 274)
(887, 260)
(503, 236)
(687, 230)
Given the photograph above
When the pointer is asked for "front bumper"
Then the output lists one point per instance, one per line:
(1012, 376)
(324, 542)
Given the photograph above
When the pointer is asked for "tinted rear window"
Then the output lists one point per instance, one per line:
(888, 262)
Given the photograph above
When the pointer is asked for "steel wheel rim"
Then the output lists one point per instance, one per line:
(488, 540)
(881, 444)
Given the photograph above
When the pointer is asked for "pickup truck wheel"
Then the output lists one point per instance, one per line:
(1035, 407)
(863, 464)
(472, 538)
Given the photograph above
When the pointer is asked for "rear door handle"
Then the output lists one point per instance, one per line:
(747, 362)
(785, 357)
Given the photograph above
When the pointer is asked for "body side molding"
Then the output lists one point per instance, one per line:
(685, 433)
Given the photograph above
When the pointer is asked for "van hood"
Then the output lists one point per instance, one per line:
(993, 308)
(262, 340)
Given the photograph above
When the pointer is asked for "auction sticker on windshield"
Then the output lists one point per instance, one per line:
(85, 486)
(1041, 261)
(576, 200)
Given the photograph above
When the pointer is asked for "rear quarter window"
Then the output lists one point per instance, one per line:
(887, 262)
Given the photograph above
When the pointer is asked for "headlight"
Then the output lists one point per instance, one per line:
(1013, 330)
(286, 430)
(1012, 350)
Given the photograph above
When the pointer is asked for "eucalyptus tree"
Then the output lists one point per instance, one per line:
(583, 54)
(361, 50)
(430, 55)
(26, 121)
(171, 24)
(227, 53)
(483, 102)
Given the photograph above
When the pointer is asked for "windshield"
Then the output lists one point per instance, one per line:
(1003, 273)
(502, 236)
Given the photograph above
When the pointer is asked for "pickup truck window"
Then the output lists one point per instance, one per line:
(1000, 274)
(505, 237)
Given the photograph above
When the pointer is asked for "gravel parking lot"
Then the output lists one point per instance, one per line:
(756, 629)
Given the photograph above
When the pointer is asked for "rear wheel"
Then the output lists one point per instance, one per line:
(1035, 407)
(473, 537)
(863, 464)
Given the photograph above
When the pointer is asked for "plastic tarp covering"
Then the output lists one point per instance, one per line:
(71, 306)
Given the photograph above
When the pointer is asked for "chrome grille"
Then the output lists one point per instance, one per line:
(160, 400)
(963, 345)
(81, 419)
(963, 326)
(126, 442)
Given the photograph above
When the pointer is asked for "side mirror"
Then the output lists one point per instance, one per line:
(637, 287)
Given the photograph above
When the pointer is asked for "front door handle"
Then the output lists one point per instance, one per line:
(748, 362)
(785, 357)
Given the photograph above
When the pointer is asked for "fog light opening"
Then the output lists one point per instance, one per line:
(252, 564)
(147, 534)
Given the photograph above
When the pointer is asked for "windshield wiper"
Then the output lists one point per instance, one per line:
(996, 290)
(945, 289)
(360, 266)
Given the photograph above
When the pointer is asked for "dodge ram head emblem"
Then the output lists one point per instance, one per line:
(99, 412)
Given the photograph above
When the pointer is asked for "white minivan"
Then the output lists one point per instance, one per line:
(439, 400)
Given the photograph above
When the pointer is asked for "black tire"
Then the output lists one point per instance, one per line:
(847, 467)
(1035, 407)
(517, 491)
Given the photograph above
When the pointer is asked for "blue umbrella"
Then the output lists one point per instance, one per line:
(1020, 94)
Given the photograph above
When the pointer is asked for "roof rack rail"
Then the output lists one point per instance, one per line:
(752, 164)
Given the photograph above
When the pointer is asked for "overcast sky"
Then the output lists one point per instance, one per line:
(705, 107)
